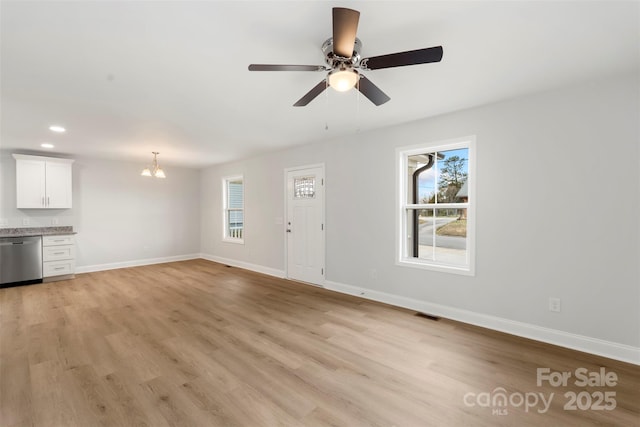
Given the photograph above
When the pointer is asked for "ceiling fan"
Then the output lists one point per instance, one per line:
(344, 65)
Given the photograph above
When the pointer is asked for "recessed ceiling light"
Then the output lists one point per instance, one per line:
(46, 145)
(57, 128)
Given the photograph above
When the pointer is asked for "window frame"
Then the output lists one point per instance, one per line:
(226, 209)
(403, 229)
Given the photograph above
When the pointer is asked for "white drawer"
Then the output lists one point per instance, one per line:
(56, 253)
(58, 268)
(57, 240)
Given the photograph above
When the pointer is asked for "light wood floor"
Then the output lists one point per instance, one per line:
(196, 343)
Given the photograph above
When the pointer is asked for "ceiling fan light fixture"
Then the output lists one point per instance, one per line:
(343, 61)
(343, 79)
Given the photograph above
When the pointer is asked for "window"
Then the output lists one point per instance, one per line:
(304, 188)
(233, 195)
(436, 206)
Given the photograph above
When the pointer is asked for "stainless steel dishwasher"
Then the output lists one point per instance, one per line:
(20, 259)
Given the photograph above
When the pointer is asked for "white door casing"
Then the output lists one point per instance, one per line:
(304, 224)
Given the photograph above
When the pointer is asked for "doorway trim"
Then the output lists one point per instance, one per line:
(323, 214)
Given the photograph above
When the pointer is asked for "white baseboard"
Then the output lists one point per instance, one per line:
(612, 350)
(134, 263)
(247, 266)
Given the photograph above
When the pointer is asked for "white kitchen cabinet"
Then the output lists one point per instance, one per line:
(58, 257)
(43, 182)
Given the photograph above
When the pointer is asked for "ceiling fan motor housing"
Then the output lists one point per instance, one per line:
(335, 61)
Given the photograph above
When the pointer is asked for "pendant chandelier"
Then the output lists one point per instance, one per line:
(154, 170)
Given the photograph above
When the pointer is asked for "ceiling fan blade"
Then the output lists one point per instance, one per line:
(345, 25)
(372, 91)
(310, 96)
(273, 67)
(400, 59)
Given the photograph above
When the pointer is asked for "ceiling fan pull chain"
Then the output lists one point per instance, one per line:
(358, 106)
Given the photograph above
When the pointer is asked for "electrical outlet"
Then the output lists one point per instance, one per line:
(25, 221)
(374, 274)
(555, 305)
(4, 222)
(54, 221)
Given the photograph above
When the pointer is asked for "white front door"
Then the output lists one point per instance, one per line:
(305, 224)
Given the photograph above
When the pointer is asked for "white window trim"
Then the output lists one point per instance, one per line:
(402, 154)
(225, 237)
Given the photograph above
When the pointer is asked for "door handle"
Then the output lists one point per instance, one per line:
(288, 230)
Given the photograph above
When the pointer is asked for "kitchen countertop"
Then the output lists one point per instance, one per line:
(36, 231)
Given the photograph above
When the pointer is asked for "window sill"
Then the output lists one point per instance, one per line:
(443, 268)
(236, 241)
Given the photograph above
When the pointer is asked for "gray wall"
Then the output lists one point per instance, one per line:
(121, 217)
(558, 188)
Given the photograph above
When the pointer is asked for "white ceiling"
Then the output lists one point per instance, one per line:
(130, 77)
